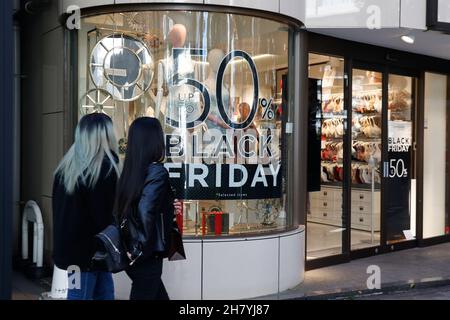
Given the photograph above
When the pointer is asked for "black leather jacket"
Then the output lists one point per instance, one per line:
(149, 224)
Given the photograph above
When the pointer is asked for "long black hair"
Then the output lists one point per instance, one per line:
(145, 146)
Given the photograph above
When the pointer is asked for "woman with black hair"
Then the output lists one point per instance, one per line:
(144, 201)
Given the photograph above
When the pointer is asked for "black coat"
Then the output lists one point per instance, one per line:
(78, 217)
(150, 222)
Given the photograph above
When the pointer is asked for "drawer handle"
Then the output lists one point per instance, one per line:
(361, 219)
(361, 208)
(361, 197)
(325, 214)
(325, 193)
(325, 204)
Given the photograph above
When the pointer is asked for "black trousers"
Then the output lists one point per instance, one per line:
(146, 278)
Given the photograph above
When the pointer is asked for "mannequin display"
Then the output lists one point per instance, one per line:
(167, 68)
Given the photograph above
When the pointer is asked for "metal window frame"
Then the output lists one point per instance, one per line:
(433, 22)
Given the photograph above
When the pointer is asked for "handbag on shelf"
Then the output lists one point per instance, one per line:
(176, 250)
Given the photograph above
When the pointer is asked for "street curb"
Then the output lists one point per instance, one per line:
(386, 289)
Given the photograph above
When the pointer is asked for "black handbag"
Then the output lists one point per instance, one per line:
(111, 255)
(176, 250)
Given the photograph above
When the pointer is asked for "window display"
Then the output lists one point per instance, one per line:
(213, 80)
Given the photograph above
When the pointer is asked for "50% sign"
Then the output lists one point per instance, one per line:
(395, 169)
(268, 109)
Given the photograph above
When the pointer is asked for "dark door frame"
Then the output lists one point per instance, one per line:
(6, 140)
(433, 17)
(388, 61)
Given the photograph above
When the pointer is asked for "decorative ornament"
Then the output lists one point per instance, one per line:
(96, 101)
(122, 65)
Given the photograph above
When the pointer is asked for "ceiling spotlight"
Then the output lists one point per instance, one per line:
(409, 38)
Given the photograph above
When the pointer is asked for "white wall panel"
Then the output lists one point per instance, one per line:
(240, 269)
(232, 268)
(434, 155)
(183, 278)
(292, 260)
(293, 8)
(351, 13)
(413, 14)
(122, 286)
(267, 5)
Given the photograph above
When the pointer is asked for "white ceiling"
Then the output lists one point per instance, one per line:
(431, 43)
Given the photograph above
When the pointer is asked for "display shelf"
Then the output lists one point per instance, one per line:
(366, 139)
(332, 139)
(359, 161)
(367, 114)
(330, 115)
(332, 184)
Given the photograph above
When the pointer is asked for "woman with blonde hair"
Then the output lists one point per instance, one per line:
(83, 198)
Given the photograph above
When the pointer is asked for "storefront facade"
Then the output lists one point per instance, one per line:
(378, 179)
(224, 83)
(291, 150)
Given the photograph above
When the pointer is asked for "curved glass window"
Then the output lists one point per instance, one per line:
(218, 84)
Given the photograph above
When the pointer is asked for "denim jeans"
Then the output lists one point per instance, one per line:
(93, 286)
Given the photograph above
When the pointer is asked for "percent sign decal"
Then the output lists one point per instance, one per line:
(268, 113)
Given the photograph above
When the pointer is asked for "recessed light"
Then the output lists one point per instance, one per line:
(410, 39)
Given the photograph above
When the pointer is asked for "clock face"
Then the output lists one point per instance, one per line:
(123, 66)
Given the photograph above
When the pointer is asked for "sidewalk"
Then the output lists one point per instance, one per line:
(26, 289)
(413, 268)
(419, 267)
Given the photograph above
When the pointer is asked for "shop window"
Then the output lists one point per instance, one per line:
(218, 84)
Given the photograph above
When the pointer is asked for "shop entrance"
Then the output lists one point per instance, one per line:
(361, 166)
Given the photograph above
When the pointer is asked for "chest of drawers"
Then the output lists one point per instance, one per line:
(325, 207)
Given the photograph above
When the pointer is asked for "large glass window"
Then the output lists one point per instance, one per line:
(218, 84)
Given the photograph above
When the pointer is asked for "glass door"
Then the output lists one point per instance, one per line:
(366, 159)
(328, 126)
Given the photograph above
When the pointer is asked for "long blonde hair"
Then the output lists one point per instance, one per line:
(94, 139)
